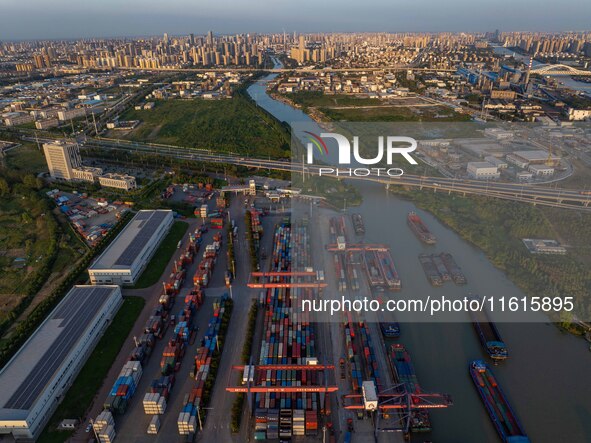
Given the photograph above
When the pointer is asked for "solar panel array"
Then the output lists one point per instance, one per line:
(76, 313)
(146, 232)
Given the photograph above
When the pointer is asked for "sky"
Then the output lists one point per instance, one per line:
(55, 19)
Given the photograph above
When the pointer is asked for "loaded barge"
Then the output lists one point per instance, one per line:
(403, 372)
(455, 271)
(440, 268)
(358, 224)
(374, 274)
(388, 270)
(430, 270)
(504, 418)
(418, 227)
(488, 334)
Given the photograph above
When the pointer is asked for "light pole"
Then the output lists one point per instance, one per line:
(94, 430)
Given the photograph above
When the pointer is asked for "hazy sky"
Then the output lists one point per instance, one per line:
(34, 19)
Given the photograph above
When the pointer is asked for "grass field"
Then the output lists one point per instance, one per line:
(26, 158)
(162, 256)
(220, 125)
(361, 109)
(318, 99)
(93, 373)
(395, 114)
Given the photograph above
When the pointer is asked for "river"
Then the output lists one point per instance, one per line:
(547, 375)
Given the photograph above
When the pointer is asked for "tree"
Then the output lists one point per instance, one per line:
(30, 181)
(4, 188)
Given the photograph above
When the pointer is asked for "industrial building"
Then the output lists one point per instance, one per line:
(482, 170)
(35, 380)
(62, 159)
(536, 157)
(64, 162)
(119, 181)
(126, 257)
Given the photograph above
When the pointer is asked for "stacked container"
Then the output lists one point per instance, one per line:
(107, 434)
(288, 338)
(154, 425)
(299, 422)
(154, 403)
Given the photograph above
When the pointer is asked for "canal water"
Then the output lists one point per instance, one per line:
(547, 377)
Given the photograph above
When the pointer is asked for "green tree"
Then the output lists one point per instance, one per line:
(4, 188)
(30, 181)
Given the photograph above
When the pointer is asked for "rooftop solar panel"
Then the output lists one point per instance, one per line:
(146, 232)
(75, 314)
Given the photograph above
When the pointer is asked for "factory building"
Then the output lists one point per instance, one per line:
(482, 170)
(126, 257)
(119, 181)
(35, 380)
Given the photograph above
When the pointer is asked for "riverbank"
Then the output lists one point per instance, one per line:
(497, 227)
(313, 113)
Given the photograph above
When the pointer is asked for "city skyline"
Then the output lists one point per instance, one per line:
(68, 20)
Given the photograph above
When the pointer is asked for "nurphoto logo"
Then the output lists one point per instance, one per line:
(393, 145)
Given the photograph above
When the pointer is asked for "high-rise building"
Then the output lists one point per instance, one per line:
(62, 158)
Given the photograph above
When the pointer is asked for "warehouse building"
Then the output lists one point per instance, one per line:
(126, 257)
(35, 380)
(482, 170)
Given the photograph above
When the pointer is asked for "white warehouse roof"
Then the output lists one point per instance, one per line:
(127, 248)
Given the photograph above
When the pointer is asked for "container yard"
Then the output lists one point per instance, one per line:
(288, 344)
(420, 229)
(488, 334)
(501, 413)
(191, 414)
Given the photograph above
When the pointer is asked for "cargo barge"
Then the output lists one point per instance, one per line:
(430, 270)
(388, 270)
(374, 274)
(454, 270)
(488, 334)
(403, 372)
(441, 268)
(502, 415)
(358, 224)
(418, 227)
